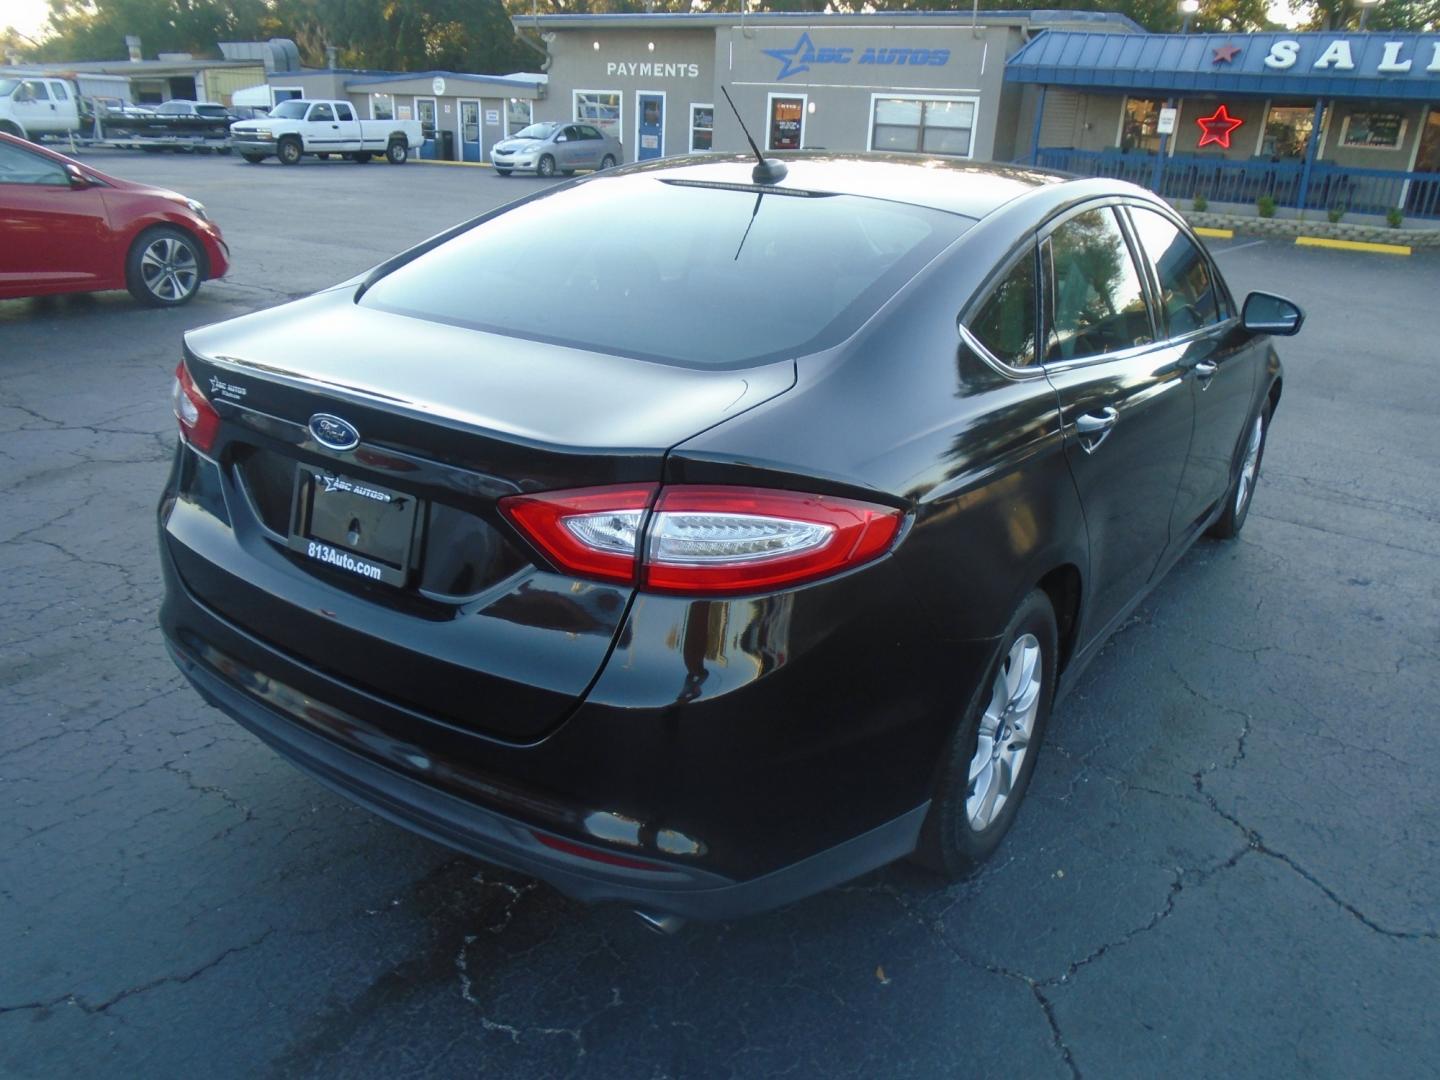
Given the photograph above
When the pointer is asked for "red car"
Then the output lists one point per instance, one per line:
(65, 227)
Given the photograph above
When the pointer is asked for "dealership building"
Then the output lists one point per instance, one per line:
(919, 82)
(1319, 121)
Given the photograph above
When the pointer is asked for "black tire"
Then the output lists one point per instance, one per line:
(397, 153)
(502, 172)
(608, 161)
(253, 159)
(1238, 501)
(172, 275)
(224, 149)
(323, 157)
(9, 128)
(950, 842)
(545, 166)
(361, 157)
(289, 151)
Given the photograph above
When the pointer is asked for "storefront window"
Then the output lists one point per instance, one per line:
(518, 115)
(702, 128)
(601, 108)
(1139, 131)
(923, 125)
(382, 107)
(1287, 130)
(787, 123)
(1377, 130)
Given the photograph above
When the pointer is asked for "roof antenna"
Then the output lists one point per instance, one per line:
(769, 171)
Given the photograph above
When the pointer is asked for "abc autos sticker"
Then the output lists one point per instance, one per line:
(801, 56)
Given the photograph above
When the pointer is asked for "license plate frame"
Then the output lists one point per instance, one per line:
(361, 529)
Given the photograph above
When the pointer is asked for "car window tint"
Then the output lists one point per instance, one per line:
(685, 273)
(321, 112)
(1187, 289)
(1097, 305)
(19, 166)
(1005, 323)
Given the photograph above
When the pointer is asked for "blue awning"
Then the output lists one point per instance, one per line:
(1300, 64)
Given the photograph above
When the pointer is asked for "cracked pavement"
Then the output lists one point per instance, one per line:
(1228, 864)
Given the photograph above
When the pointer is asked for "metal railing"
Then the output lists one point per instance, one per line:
(1360, 191)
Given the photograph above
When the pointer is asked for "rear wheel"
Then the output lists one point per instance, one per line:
(165, 267)
(546, 166)
(608, 161)
(992, 754)
(1242, 488)
(289, 151)
(253, 159)
(397, 153)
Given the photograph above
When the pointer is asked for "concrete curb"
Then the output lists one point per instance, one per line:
(1290, 228)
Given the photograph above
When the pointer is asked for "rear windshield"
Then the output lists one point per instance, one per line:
(212, 110)
(695, 275)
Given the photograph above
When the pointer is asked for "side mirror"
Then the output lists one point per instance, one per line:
(78, 180)
(1265, 313)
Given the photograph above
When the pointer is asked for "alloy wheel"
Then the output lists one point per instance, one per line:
(1005, 732)
(1250, 466)
(169, 269)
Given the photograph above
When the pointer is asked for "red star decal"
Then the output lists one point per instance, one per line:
(1224, 54)
(1217, 128)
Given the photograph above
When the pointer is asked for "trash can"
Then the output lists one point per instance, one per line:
(447, 145)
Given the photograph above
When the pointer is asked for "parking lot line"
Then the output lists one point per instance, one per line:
(1353, 245)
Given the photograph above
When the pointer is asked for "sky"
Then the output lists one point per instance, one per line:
(29, 16)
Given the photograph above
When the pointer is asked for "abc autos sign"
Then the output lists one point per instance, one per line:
(805, 55)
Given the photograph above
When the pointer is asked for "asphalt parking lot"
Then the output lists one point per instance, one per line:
(1228, 866)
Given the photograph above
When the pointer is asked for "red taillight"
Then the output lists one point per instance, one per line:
(592, 532)
(704, 540)
(584, 851)
(199, 422)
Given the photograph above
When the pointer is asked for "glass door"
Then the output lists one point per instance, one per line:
(469, 131)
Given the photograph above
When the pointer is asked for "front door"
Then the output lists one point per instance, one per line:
(425, 113)
(57, 236)
(649, 125)
(1221, 361)
(787, 123)
(469, 131)
(1126, 408)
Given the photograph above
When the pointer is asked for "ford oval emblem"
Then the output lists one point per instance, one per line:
(333, 432)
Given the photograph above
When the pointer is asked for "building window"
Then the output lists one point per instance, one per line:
(917, 125)
(519, 114)
(787, 122)
(1139, 126)
(382, 107)
(702, 128)
(1287, 131)
(601, 108)
(1373, 130)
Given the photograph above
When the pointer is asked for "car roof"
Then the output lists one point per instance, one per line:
(958, 187)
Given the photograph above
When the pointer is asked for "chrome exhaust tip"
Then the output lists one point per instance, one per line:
(661, 924)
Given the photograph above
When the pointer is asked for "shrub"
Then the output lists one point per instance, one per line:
(1393, 217)
(1336, 213)
(1201, 204)
(1265, 206)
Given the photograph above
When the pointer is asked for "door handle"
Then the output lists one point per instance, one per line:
(1205, 371)
(1094, 427)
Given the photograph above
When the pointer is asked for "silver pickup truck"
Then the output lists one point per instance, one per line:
(301, 126)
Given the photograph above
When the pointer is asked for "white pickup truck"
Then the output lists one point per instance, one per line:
(33, 106)
(301, 126)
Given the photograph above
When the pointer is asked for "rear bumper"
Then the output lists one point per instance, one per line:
(496, 838)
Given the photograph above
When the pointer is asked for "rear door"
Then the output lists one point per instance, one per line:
(1126, 408)
(1220, 361)
(347, 127)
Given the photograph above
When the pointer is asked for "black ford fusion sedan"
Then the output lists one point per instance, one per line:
(700, 542)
